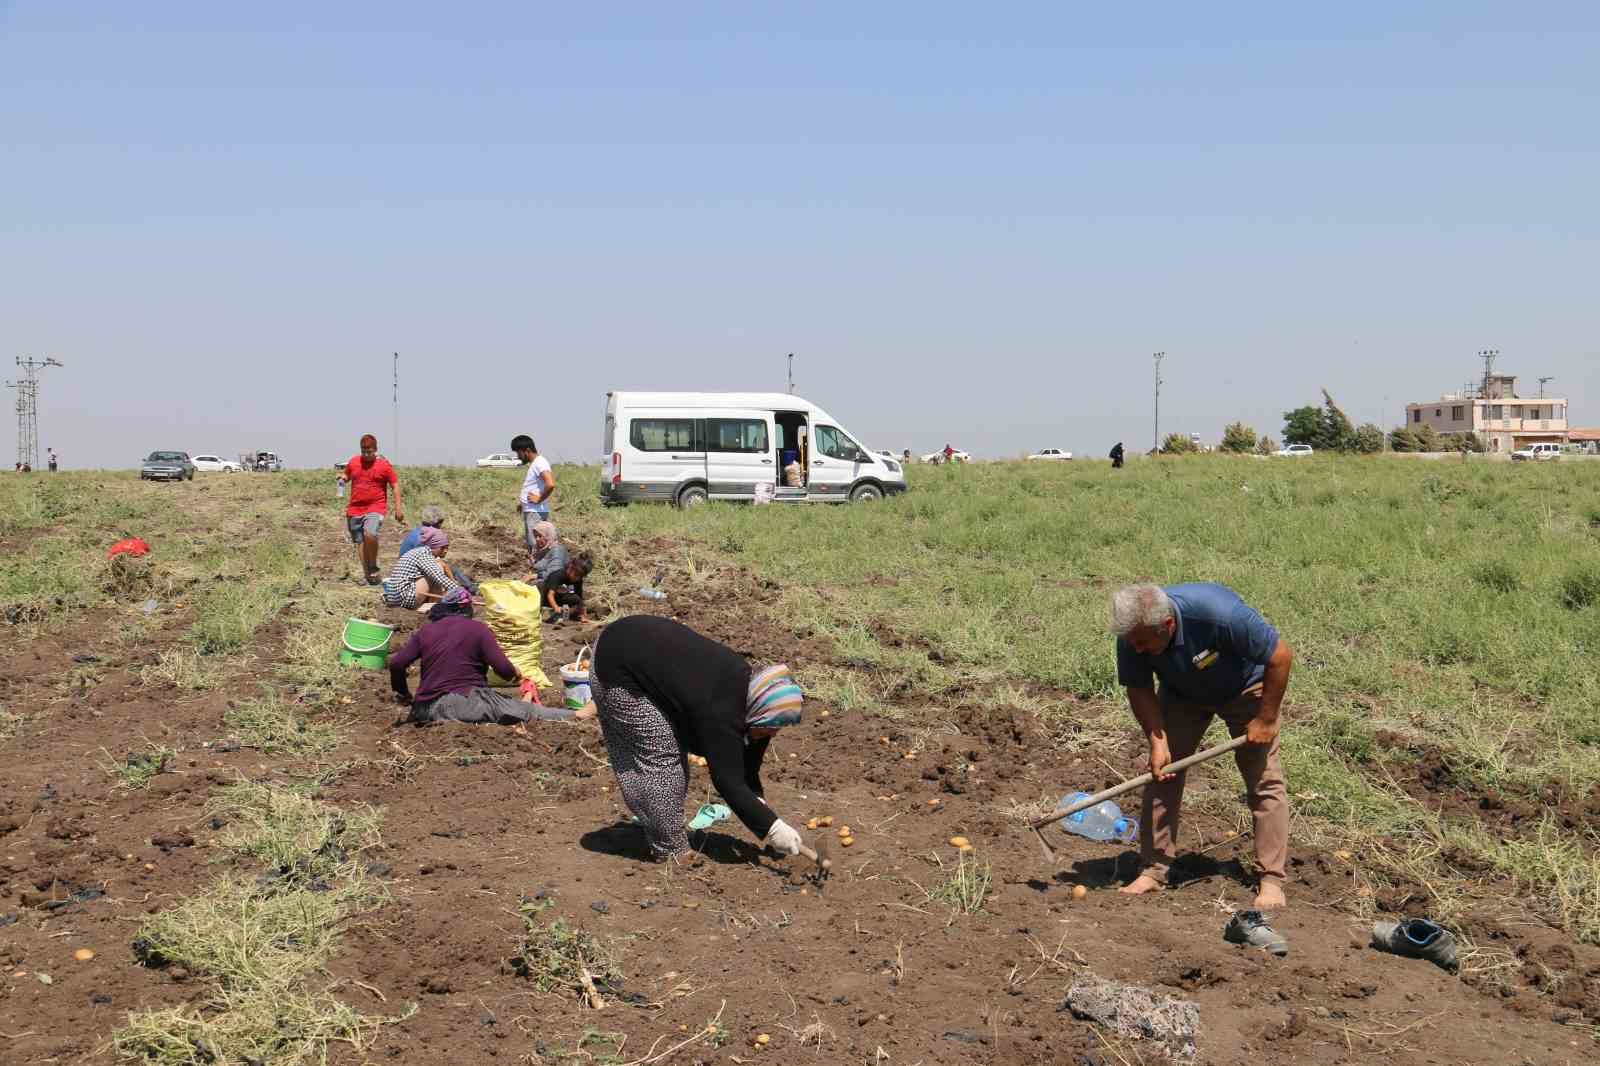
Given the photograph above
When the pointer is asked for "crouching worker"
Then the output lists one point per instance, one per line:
(455, 649)
(563, 590)
(664, 691)
(433, 517)
(1214, 655)
(419, 575)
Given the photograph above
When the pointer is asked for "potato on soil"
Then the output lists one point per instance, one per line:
(960, 842)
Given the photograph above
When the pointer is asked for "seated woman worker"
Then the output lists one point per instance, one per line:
(663, 691)
(455, 649)
(418, 576)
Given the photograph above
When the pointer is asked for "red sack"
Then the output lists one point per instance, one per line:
(131, 546)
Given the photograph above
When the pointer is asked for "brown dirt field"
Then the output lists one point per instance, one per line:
(860, 969)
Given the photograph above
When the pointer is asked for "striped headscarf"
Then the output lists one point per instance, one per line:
(775, 698)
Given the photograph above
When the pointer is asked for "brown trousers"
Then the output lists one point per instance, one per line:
(1263, 781)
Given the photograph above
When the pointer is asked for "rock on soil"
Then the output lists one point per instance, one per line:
(1133, 1011)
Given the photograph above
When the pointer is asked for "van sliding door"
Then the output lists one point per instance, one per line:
(739, 454)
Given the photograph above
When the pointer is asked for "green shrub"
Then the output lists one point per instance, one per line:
(1580, 588)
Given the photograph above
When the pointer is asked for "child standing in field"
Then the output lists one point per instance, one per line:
(371, 478)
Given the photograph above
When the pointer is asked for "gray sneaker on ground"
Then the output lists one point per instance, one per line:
(1249, 927)
(1416, 938)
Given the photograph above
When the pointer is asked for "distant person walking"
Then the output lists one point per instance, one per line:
(371, 478)
(53, 460)
(949, 453)
(538, 485)
(1216, 656)
(1116, 456)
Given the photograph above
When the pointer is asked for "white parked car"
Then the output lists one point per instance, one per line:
(1051, 453)
(956, 456)
(1541, 451)
(1294, 450)
(500, 459)
(215, 464)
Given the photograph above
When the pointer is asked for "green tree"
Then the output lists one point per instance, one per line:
(1337, 434)
(1463, 442)
(1369, 439)
(1404, 439)
(1303, 425)
(1177, 444)
(1266, 445)
(1428, 439)
(1238, 437)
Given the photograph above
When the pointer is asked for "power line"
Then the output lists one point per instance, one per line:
(28, 408)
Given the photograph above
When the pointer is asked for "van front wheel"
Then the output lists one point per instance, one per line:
(693, 496)
(865, 494)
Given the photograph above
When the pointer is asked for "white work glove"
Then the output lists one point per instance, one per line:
(783, 837)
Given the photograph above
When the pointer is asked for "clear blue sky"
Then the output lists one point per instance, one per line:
(973, 223)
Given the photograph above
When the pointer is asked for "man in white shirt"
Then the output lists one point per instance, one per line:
(537, 487)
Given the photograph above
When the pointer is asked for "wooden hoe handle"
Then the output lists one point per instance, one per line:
(1137, 782)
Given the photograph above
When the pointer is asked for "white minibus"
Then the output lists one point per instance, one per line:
(689, 447)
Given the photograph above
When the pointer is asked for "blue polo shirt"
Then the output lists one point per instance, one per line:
(1219, 649)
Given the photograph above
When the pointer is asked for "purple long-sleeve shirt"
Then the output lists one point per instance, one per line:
(454, 651)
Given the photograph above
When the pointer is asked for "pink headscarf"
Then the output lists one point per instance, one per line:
(434, 538)
(544, 535)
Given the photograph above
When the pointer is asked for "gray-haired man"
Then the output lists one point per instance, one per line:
(1215, 656)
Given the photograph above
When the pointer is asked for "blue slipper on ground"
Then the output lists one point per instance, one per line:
(709, 815)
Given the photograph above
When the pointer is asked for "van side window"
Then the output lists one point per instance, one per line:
(736, 435)
(662, 434)
(835, 445)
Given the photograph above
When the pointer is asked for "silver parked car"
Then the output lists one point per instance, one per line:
(167, 466)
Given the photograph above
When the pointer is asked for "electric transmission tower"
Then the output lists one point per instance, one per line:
(28, 408)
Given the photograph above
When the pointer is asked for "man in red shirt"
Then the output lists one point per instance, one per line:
(370, 477)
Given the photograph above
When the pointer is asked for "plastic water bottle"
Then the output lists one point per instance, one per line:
(652, 594)
(1103, 821)
(340, 483)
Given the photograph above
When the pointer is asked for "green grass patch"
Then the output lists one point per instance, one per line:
(182, 668)
(228, 611)
(554, 954)
(261, 940)
(965, 888)
(292, 833)
(273, 725)
(138, 768)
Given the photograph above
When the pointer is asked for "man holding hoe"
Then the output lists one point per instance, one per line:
(1215, 656)
(370, 477)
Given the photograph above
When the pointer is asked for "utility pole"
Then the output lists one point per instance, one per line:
(791, 373)
(396, 436)
(1541, 385)
(28, 408)
(1158, 357)
(1488, 355)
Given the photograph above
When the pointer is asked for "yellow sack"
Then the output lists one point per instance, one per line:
(511, 609)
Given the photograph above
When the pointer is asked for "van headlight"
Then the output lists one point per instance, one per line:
(894, 467)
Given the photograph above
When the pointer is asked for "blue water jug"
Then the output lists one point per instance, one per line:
(1103, 821)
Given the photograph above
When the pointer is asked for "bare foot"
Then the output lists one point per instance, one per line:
(1270, 895)
(1140, 885)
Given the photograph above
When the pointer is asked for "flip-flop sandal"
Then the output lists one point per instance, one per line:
(709, 815)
